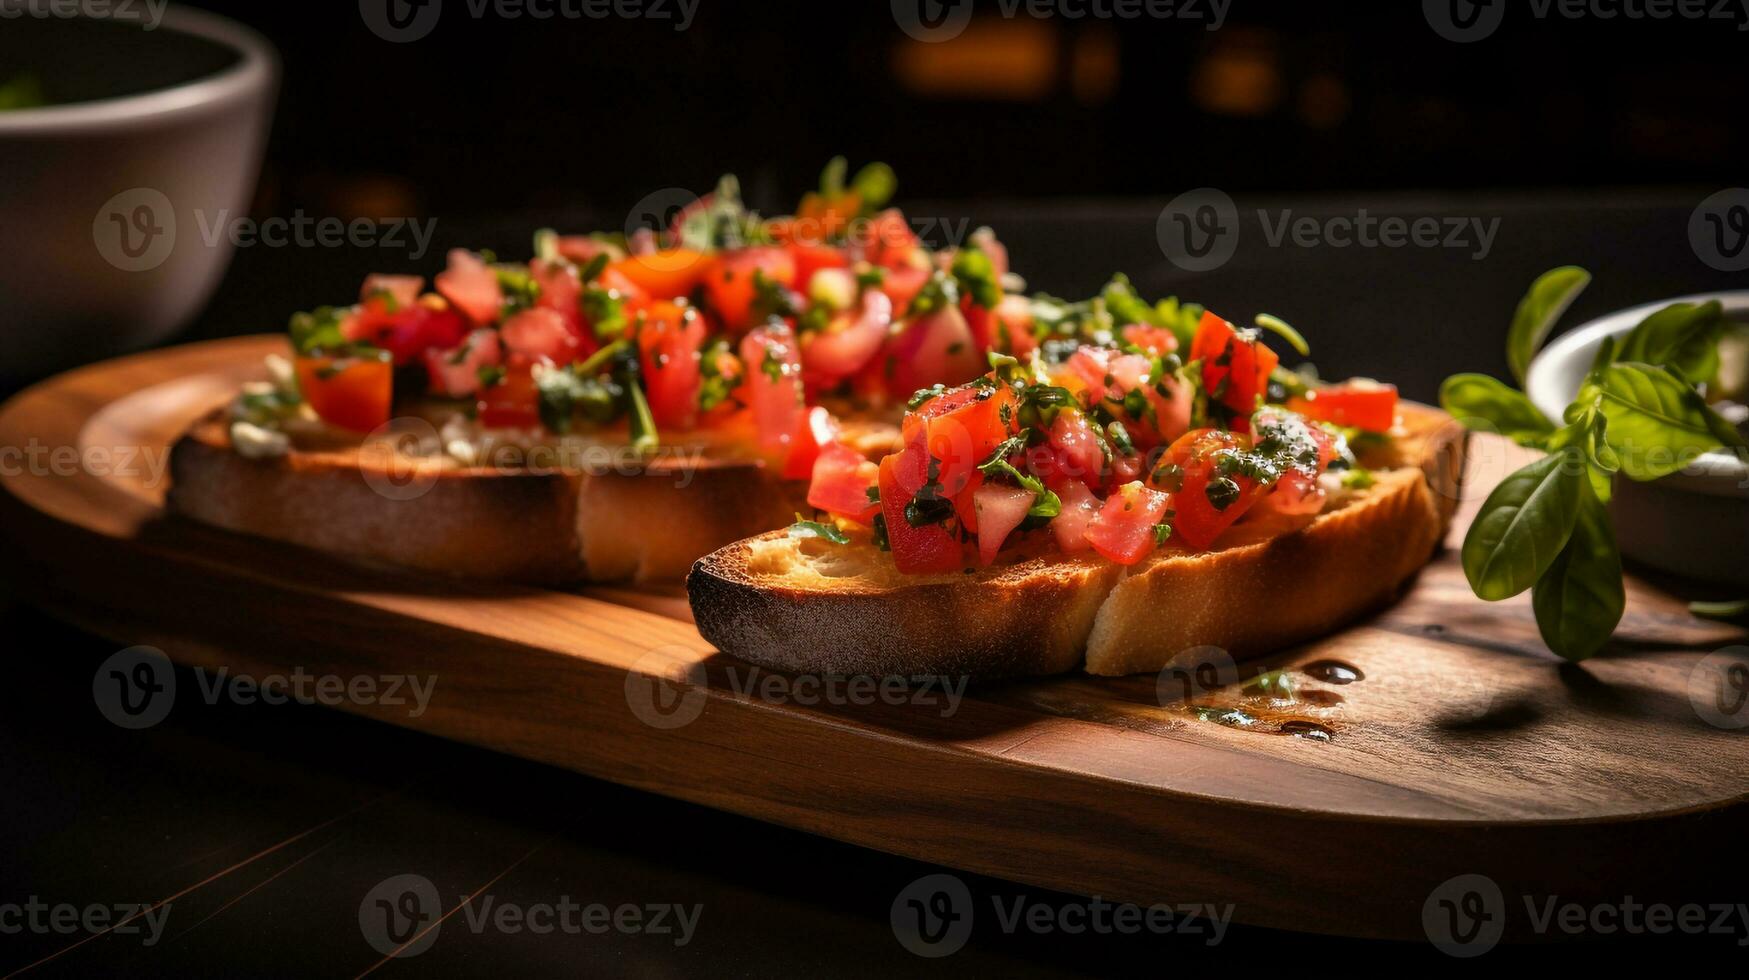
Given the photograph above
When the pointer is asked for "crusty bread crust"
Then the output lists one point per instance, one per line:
(543, 528)
(809, 606)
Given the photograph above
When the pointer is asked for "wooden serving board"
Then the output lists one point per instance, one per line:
(1466, 748)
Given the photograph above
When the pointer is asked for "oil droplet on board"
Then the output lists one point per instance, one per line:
(1305, 729)
(1333, 672)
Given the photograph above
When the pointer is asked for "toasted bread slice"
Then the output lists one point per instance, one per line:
(807, 605)
(554, 526)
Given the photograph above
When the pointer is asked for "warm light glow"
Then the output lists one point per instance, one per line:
(994, 58)
(1239, 76)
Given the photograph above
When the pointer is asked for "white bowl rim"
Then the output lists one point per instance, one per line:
(1545, 390)
(256, 68)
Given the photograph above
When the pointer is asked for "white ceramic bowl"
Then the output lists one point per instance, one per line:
(1694, 523)
(104, 202)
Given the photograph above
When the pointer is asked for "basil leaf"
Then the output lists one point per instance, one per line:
(1681, 336)
(1471, 397)
(1657, 422)
(874, 185)
(815, 529)
(1523, 525)
(1548, 298)
(1579, 600)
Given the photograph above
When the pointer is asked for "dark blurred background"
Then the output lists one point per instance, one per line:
(1591, 140)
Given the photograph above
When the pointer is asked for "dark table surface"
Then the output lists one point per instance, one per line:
(267, 827)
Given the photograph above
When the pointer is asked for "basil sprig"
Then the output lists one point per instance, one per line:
(1546, 527)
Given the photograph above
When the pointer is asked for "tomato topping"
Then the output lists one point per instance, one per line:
(455, 371)
(669, 337)
(902, 285)
(1372, 407)
(978, 322)
(1000, 509)
(1013, 326)
(665, 274)
(471, 286)
(538, 334)
(350, 392)
(963, 427)
(810, 258)
(1207, 500)
(404, 331)
(512, 403)
(1235, 366)
(841, 481)
(402, 290)
(850, 341)
(1154, 340)
(582, 249)
(887, 240)
(774, 385)
(729, 288)
(562, 292)
(929, 350)
(1070, 524)
(817, 430)
(931, 548)
(1123, 530)
(1072, 452)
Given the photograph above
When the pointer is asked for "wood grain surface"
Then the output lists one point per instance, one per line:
(1464, 748)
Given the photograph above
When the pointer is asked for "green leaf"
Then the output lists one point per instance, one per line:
(832, 177)
(1280, 328)
(1734, 609)
(1523, 525)
(1681, 336)
(1579, 600)
(1548, 298)
(815, 529)
(1657, 422)
(874, 186)
(1472, 397)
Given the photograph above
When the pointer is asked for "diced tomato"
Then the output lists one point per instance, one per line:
(1013, 326)
(1075, 451)
(728, 280)
(1200, 519)
(561, 291)
(887, 239)
(902, 285)
(810, 258)
(669, 337)
(965, 503)
(353, 393)
(964, 427)
(1123, 530)
(933, 349)
(1296, 494)
(539, 334)
(402, 290)
(1235, 366)
(931, 548)
(841, 481)
(978, 322)
(1372, 407)
(817, 430)
(850, 341)
(1000, 510)
(617, 281)
(1070, 524)
(1154, 340)
(471, 286)
(774, 386)
(512, 403)
(455, 371)
(819, 217)
(670, 273)
(582, 249)
(404, 331)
